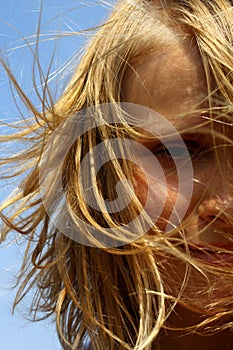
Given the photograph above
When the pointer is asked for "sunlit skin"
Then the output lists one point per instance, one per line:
(173, 83)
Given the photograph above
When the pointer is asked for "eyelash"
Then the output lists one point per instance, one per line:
(179, 151)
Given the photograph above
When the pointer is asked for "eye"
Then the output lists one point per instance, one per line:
(178, 150)
(175, 152)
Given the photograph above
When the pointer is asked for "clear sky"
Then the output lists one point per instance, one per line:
(18, 23)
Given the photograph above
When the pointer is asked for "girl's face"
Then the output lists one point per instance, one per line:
(173, 83)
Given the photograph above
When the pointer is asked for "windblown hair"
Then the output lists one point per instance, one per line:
(120, 297)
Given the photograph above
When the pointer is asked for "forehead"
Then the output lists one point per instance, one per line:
(171, 80)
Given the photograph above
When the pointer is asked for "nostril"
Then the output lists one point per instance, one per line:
(210, 218)
(213, 218)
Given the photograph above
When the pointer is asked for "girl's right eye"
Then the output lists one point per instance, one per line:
(179, 151)
(173, 151)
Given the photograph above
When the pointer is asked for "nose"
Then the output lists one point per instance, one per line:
(217, 211)
(217, 206)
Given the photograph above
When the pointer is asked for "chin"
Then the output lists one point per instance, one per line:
(204, 286)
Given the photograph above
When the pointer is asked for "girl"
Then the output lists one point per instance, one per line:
(127, 199)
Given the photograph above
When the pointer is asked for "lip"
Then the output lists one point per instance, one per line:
(215, 253)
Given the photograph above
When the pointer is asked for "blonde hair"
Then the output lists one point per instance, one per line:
(113, 297)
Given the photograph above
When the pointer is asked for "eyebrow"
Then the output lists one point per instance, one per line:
(189, 121)
(183, 132)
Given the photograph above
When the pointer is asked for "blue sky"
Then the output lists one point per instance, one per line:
(18, 23)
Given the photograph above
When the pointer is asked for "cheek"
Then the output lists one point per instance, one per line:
(156, 196)
(140, 185)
